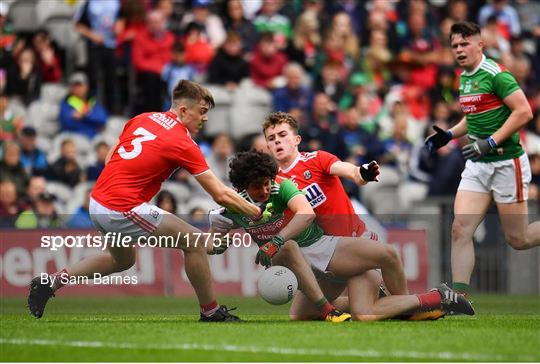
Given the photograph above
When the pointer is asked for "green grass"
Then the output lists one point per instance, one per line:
(507, 328)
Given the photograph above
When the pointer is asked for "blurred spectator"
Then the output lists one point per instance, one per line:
(344, 29)
(419, 51)
(218, 160)
(507, 19)
(521, 70)
(97, 21)
(305, 40)
(199, 51)
(174, 12)
(375, 66)
(10, 124)
(358, 83)
(235, 21)
(228, 66)
(445, 89)
(11, 167)
(267, 62)
(166, 201)
(198, 216)
(458, 10)
(362, 145)
(36, 186)
(258, 143)
(495, 45)
(42, 216)
(81, 217)
(33, 159)
(398, 148)
(24, 78)
(176, 70)
(66, 169)
(355, 11)
(294, 98)
(49, 60)
(330, 82)
(152, 50)
(211, 24)
(333, 50)
(79, 112)
(93, 172)
(269, 20)
(321, 131)
(9, 204)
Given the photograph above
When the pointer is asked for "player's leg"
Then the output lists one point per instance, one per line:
(303, 308)
(470, 208)
(117, 259)
(196, 265)
(354, 256)
(515, 223)
(291, 257)
(510, 191)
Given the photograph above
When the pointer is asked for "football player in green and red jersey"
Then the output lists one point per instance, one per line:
(497, 168)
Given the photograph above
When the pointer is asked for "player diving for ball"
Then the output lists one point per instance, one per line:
(353, 257)
(289, 237)
(497, 168)
(151, 146)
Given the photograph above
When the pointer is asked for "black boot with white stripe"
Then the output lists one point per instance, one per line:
(454, 303)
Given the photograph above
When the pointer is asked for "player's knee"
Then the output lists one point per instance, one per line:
(362, 316)
(391, 256)
(516, 241)
(290, 247)
(459, 231)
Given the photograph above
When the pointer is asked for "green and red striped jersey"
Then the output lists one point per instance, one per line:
(481, 92)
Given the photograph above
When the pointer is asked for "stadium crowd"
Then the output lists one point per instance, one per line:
(365, 79)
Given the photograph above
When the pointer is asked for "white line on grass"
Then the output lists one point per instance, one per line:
(275, 350)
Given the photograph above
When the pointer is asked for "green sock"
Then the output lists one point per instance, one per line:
(460, 287)
(321, 302)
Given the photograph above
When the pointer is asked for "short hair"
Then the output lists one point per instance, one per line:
(279, 117)
(465, 29)
(178, 47)
(190, 90)
(251, 167)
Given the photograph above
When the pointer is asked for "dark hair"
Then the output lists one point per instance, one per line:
(279, 117)
(163, 195)
(186, 89)
(178, 47)
(251, 168)
(465, 29)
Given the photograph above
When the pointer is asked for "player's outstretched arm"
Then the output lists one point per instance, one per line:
(226, 196)
(360, 175)
(521, 114)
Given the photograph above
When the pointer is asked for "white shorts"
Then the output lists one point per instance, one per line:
(141, 220)
(321, 252)
(507, 181)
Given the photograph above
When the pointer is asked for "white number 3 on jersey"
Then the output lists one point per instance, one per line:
(145, 136)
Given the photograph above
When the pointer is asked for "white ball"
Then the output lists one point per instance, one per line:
(277, 285)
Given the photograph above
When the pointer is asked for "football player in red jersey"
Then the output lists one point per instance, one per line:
(348, 262)
(151, 146)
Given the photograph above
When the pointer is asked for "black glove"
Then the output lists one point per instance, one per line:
(370, 172)
(479, 148)
(437, 140)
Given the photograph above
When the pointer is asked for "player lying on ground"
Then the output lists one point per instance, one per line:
(317, 174)
(497, 168)
(253, 174)
(150, 148)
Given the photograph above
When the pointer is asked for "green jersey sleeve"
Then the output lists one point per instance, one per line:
(504, 84)
(287, 190)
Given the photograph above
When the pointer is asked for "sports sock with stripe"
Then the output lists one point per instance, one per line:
(429, 300)
(209, 308)
(461, 288)
(324, 307)
(58, 279)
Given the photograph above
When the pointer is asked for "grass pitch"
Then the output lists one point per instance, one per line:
(506, 328)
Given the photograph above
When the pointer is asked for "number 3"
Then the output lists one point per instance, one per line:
(145, 135)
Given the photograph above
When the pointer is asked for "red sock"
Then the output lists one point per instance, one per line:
(59, 277)
(429, 300)
(209, 308)
(326, 309)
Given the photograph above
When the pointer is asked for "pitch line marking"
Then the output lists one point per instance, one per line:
(274, 350)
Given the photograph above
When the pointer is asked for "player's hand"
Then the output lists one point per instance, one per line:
(265, 214)
(268, 250)
(370, 171)
(438, 140)
(218, 222)
(479, 148)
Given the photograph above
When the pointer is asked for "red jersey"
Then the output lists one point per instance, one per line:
(150, 148)
(335, 213)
